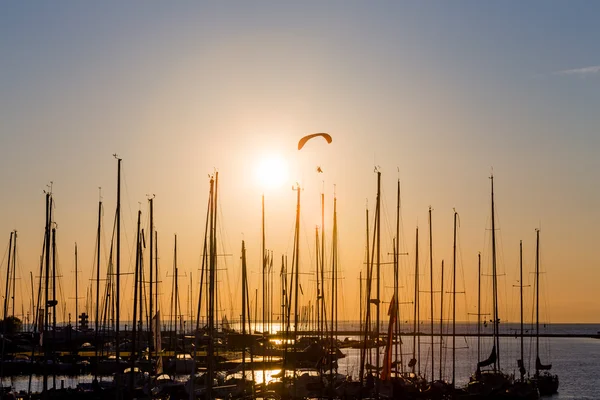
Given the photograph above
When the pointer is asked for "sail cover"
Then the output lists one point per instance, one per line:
(490, 360)
(540, 366)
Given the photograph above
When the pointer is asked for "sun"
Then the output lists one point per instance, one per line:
(271, 172)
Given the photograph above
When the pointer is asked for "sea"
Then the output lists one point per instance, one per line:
(576, 360)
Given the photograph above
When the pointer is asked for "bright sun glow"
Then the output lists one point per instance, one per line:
(272, 171)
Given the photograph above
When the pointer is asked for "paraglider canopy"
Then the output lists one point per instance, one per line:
(306, 138)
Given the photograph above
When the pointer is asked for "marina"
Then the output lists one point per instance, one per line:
(299, 200)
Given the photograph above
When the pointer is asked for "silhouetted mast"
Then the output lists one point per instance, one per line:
(118, 272)
(441, 321)
(135, 298)
(431, 288)
(6, 293)
(495, 286)
(454, 302)
(416, 355)
(76, 292)
(378, 241)
(98, 239)
(151, 284)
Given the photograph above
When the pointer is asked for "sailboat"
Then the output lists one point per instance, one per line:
(546, 382)
(491, 382)
(522, 387)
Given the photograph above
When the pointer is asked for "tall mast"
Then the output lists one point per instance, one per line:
(296, 275)
(44, 329)
(367, 304)
(151, 282)
(441, 320)
(398, 347)
(203, 268)
(264, 266)
(175, 293)
(97, 316)
(360, 301)
(431, 287)
(521, 367)
(454, 302)
(244, 297)
(537, 299)
(378, 244)
(76, 291)
(322, 264)
(318, 286)
(495, 286)
(211, 297)
(54, 302)
(135, 298)
(413, 362)
(216, 270)
(14, 272)
(264, 281)
(333, 288)
(156, 283)
(118, 272)
(6, 293)
(478, 307)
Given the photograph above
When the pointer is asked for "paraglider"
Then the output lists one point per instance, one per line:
(306, 138)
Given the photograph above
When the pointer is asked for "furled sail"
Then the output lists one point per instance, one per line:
(540, 366)
(490, 360)
(522, 370)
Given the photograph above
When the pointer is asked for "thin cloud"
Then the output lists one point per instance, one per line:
(595, 69)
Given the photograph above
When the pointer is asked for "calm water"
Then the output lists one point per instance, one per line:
(575, 360)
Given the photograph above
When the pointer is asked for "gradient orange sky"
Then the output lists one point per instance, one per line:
(438, 95)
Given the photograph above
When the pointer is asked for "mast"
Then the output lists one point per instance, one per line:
(283, 282)
(216, 270)
(441, 320)
(97, 316)
(14, 272)
(537, 300)
(520, 362)
(333, 289)
(211, 297)
(478, 307)
(413, 362)
(378, 258)
(205, 252)
(156, 283)
(360, 296)
(454, 302)
(151, 298)
(296, 277)
(244, 297)
(54, 303)
(367, 304)
(318, 287)
(398, 347)
(175, 295)
(118, 272)
(495, 286)
(6, 293)
(46, 290)
(135, 298)
(322, 263)
(76, 292)
(264, 281)
(431, 287)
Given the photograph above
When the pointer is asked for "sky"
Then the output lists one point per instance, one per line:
(436, 95)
